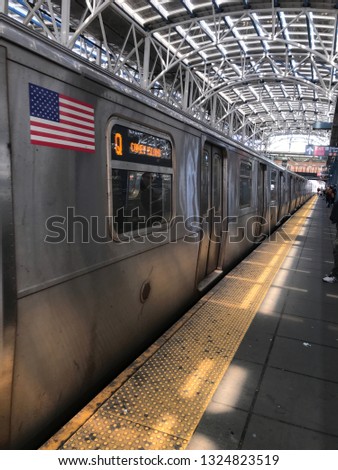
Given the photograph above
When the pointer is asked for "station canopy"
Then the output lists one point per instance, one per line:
(252, 69)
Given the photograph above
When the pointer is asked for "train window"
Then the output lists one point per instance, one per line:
(282, 188)
(273, 186)
(217, 183)
(204, 183)
(140, 199)
(245, 184)
(141, 177)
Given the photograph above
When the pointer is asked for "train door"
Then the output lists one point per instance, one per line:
(261, 198)
(288, 194)
(212, 213)
(292, 192)
(281, 197)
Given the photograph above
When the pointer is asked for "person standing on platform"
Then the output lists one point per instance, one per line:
(329, 194)
(333, 276)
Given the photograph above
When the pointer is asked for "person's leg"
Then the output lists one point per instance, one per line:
(335, 257)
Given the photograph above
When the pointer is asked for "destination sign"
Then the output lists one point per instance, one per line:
(131, 145)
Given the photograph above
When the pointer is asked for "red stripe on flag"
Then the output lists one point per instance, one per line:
(62, 138)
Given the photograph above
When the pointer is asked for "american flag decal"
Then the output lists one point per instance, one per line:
(60, 121)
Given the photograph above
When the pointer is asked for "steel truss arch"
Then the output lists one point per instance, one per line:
(227, 65)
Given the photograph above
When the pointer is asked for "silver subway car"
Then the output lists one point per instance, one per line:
(116, 214)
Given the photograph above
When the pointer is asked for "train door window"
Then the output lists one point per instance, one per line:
(261, 188)
(204, 192)
(245, 184)
(288, 188)
(282, 188)
(140, 179)
(217, 183)
(273, 186)
(211, 190)
(211, 198)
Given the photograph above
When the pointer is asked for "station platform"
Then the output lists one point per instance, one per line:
(253, 365)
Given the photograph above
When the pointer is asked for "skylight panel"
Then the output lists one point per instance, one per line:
(254, 92)
(189, 5)
(208, 30)
(226, 97)
(252, 108)
(238, 93)
(188, 38)
(156, 4)
(203, 77)
(130, 11)
(191, 42)
(268, 90)
(166, 44)
(236, 33)
(260, 31)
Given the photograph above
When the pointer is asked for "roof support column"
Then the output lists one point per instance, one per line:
(185, 101)
(65, 20)
(99, 54)
(231, 125)
(146, 63)
(4, 6)
(213, 110)
(273, 18)
(243, 130)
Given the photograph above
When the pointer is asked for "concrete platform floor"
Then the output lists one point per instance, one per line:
(281, 389)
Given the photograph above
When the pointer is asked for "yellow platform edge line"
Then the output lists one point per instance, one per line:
(252, 301)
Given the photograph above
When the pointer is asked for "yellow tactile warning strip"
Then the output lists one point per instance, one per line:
(159, 405)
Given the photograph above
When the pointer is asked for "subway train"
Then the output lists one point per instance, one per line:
(117, 213)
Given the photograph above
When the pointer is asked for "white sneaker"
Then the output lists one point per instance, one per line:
(330, 279)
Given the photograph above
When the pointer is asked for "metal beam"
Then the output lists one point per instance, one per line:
(196, 65)
(65, 21)
(4, 6)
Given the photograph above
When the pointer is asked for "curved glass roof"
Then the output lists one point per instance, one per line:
(252, 69)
